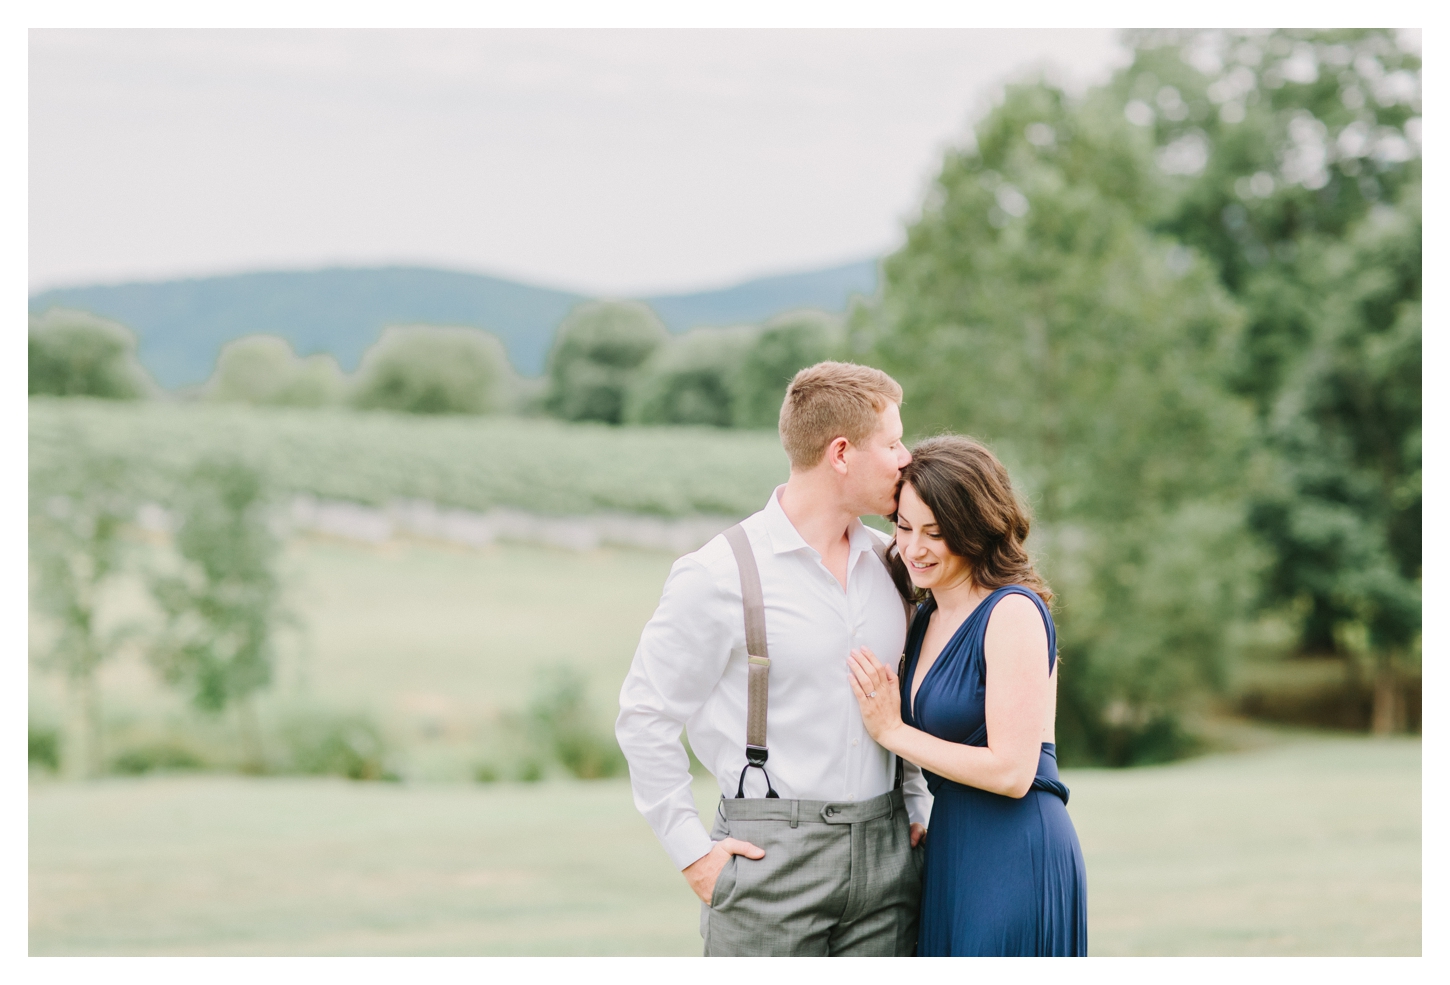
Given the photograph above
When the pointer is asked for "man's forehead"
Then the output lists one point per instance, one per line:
(891, 422)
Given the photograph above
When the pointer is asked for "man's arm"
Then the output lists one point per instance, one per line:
(918, 799)
(681, 656)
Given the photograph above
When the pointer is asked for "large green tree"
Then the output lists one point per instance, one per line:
(1032, 308)
(1272, 142)
(1344, 516)
(1278, 147)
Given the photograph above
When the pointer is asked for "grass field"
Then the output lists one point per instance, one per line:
(1309, 847)
(434, 641)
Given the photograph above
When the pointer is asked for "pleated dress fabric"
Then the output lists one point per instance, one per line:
(1002, 876)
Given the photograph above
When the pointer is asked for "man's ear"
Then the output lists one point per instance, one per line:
(836, 454)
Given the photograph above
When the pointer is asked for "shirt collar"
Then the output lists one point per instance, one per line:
(784, 537)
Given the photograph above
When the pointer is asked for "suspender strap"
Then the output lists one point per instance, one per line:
(884, 553)
(758, 683)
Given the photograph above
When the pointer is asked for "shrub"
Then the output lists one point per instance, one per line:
(693, 380)
(568, 729)
(160, 755)
(322, 742)
(424, 369)
(74, 354)
(596, 358)
(263, 369)
(44, 747)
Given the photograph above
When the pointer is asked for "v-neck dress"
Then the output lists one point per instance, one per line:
(1002, 875)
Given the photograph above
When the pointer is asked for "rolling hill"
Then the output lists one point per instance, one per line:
(182, 324)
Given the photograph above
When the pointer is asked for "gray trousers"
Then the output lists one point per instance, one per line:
(837, 879)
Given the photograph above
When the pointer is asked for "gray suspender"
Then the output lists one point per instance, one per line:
(882, 552)
(758, 684)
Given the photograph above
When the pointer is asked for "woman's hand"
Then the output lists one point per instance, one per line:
(876, 692)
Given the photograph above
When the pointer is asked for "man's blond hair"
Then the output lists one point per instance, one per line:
(832, 400)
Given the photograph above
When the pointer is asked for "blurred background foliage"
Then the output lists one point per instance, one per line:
(423, 369)
(221, 605)
(263, 370)
(73, 353)
(596, 359)
(1183, 307)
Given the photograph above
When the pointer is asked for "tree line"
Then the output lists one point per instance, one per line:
(612, 361)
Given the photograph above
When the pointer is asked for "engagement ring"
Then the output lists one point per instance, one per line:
(870, 694)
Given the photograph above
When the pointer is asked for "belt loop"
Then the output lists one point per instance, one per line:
(795, 813)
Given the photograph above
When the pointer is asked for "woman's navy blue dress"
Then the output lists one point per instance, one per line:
(1002, 876)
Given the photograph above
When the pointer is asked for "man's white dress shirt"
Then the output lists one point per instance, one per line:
(690, 673)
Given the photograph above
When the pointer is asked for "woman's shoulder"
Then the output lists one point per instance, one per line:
(1017, 604)
(1014, 597)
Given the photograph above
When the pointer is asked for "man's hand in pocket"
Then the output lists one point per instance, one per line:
(702, 873)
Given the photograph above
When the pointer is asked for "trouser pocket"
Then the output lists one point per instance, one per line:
(724, 883)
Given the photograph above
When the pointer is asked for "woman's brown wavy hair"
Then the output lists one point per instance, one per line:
(980, 518)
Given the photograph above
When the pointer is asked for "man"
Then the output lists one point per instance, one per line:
(811, 853)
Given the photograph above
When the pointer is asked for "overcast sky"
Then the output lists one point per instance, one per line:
(609, 162)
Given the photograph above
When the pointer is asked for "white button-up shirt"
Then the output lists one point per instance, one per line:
(690, 673)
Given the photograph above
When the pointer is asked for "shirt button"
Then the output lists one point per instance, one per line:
(855, 742)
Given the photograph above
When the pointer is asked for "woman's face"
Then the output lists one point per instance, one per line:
(929, 561)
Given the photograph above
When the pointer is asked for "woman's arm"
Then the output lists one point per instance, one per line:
(1017, 701)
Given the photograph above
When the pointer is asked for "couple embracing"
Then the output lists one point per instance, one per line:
(878, 713)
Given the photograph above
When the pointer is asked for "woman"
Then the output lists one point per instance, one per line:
(974, 707)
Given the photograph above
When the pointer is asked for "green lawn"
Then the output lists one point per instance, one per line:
(451, 632)
(434, 641)
(1308, 847)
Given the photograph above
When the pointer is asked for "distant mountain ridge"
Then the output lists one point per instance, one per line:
(182, 324)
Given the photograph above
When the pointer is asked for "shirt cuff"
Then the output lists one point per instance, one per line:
(918, 809)
(688, 843)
